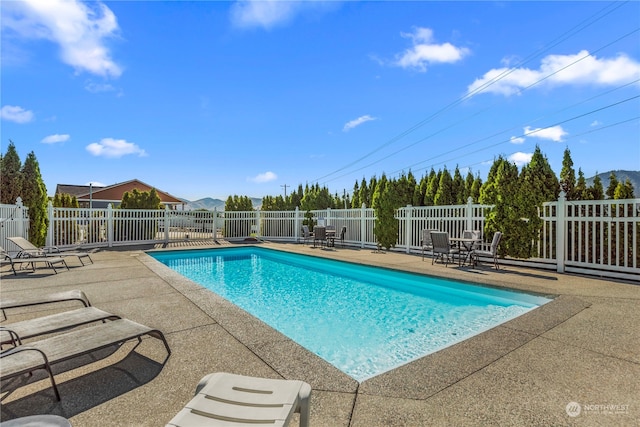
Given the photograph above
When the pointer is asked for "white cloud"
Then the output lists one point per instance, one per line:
(80, 29)
(263, 177)
(52, 139)
(517, 140)
(96, 184)
(263, 13)
(114, 148)
(554, 133)
(595, 123)
(424, 52)
(16, 114)
(520, 159)
(357, 122)
(586, 70)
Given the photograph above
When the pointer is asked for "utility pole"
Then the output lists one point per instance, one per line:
(285, 189)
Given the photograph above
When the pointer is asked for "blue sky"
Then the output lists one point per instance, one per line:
(212, 98)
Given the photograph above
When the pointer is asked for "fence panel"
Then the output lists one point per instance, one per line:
(14, 222)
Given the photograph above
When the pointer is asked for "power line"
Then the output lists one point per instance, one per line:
(574, 30)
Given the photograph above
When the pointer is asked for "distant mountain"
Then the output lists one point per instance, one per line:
(621, 176)
(209, 204)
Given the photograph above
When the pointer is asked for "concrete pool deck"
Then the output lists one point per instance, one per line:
(583, 347)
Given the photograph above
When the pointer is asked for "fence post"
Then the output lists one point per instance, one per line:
(257, 229)
(110, 225)
(215, 225)
(166, 224)
(49, 241)
(469, 213)
(560, 232)
(407, 228)
(363, 225)
(20, 212)
(296, 232)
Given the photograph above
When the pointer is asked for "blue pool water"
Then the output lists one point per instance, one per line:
(363, 320)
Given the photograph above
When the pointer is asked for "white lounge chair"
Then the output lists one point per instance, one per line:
(29, 249)
(224, 399)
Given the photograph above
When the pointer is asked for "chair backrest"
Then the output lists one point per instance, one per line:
(467, 234)
(305, 230)
(343, 232)
(440, 241)
(319, 233)
(496, 241)
(426, 237)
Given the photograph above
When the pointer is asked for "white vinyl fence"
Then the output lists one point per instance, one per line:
(14, 222)
(593, 237)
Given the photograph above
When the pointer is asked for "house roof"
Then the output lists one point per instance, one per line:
(114, 193)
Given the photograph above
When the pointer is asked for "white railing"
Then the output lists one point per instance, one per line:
(594, 237)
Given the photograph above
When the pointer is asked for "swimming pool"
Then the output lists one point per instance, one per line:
(363, 320)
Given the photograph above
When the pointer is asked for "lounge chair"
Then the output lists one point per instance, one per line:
(16, 332)
(492, 252)
(75, 295)
(442, 247)
(31, 261)
(29, 249)
(43, 353)
(426, 243)
(224, 399)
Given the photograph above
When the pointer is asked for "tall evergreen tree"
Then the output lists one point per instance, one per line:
(597, 190)
(500, 191)
(568, 177)
(624, 191)
(355, 200)
(432, 188)
(385, 203)
(613, 184)
(537, 184)
(581, 190)
(444, 196)
(457, 188)
(34, 195)
(10, 176)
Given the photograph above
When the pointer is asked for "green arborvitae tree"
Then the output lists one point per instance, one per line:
(488, 192)
(10, 176)
(355, 200)
(432, 188)
(66, 231)
(444, 196)
(568, 177)
(238, 203)
(500, 190)
(468, 186)
(385, 203)
(581, 190)
(537, 184)
(34, 196)
(613, 184)
(597, 190)
(475, 189)
(624, 191)
(457, 188)
(137, 199)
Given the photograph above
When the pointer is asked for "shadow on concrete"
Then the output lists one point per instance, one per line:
(86, 392)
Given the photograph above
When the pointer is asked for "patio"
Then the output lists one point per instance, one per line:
(582, 347)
